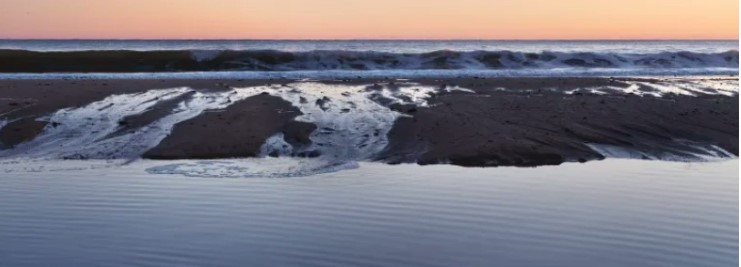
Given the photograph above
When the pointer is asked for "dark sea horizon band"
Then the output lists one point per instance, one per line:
(519, 63)
(330, 75)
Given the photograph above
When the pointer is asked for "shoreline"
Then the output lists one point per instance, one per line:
(500, 122)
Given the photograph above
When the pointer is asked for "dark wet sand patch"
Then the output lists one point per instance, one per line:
(236, 131)
(525, 129)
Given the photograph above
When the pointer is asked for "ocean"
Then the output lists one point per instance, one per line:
(257, 59)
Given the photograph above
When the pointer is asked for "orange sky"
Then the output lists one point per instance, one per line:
(370, 19)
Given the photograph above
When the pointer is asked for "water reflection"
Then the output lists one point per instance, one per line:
(610, 213)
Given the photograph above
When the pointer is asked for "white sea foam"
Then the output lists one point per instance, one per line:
(90, 131)
(252, 167)
(690, 152)
(352, 125)
(204, 55)
(81, 132)
(659, 88)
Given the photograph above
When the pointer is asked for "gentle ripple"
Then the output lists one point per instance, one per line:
(609, 213)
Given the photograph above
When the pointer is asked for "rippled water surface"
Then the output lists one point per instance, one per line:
(609, 213)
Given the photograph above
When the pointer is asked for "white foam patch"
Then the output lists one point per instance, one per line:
(25, 165)
(352, 125)
(406, 95)
(686, 87)
(83, 130)
(88, 132)
(277, 146)
(694, 152)
(253, 167)
(204, 55)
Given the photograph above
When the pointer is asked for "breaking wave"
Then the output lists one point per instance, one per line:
(125, 61)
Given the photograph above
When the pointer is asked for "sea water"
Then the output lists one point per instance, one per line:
(265, 59)
(607, 213)
(395, 46)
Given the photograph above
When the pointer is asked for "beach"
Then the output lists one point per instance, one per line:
(505, 121)
(369, 133)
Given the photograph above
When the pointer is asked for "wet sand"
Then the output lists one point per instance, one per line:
(532, 123)
(23, 101)
(237, 131)
(530, 129)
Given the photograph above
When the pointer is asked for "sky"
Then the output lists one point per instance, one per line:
(369, 19)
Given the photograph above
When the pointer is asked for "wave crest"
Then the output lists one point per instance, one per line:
(273, 60)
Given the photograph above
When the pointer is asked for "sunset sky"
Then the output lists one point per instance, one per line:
(370, 19)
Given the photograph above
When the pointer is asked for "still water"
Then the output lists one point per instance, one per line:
(609, 213)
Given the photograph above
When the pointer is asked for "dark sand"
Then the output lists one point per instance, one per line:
(529, 129)
(237, 131)
(490, 128)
